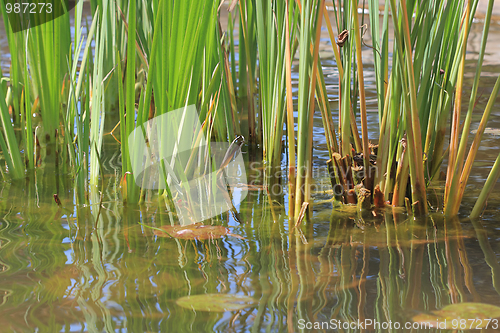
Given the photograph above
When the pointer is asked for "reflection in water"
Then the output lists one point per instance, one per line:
(78, 274)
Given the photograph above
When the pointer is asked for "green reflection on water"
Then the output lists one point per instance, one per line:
(75, 273)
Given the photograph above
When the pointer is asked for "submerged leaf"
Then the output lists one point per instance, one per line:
(194, 231)
(216, 302)
(451, 316)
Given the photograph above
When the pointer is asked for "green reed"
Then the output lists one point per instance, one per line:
(414, 99)
(155, 57)
(271, 39)
(80, 92)
(8, 141)
(487, 189)
(248, 62)
(110, 14)
(37, 77)
(310, 23)
(43, 80)
(180, 72)
(458, 172)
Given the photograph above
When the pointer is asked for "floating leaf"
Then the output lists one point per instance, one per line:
(474, 315)
(194, 231)
(216, 302)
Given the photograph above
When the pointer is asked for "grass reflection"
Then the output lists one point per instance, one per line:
(73, 273)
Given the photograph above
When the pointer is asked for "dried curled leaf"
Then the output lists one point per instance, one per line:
(342, 38)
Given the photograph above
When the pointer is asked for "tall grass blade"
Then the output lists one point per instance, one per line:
(487, 189)
(310, 24)
(458, 179)
(8, 141)
(419, 196)
(290, 125)
(362, 97)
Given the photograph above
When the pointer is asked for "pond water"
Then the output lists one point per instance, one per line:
(91, 269)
